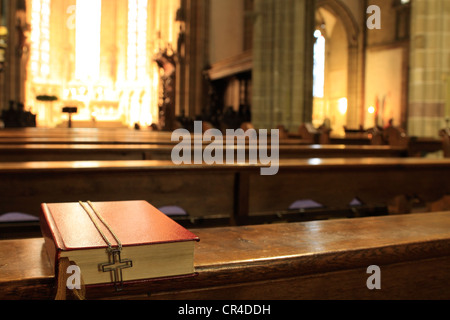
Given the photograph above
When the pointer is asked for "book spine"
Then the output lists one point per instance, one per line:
(51, 235)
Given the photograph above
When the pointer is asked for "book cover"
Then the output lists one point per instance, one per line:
(153, 245)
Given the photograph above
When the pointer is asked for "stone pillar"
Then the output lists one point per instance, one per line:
(283, 63)
(355, 96)
(193, 58)
(430, 66)
(12, 73)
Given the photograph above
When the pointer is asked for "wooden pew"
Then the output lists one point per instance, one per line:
(118, 141)
(420, 147)
(317, 260)
(445, 134)
(351, 139)
(306, 136)
(101, 136)
(86, 152)
(237, 192)
(309, 133)
(74, 152)
(443, 204)
(417, 147)
(84, 132)
(325, 135)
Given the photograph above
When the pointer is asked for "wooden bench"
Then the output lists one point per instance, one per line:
(445, 134)
(312, 260)
(351, 139)
(87, 132)
(121, 141)
(326, 136)
(101, 136)
(11, 138)
(417, 147)
(235, 192)
(86, 152)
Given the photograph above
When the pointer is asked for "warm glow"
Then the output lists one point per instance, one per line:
(40, 38)
(137, 40)
(343, 106)
(315, 161)
(137, 69)
(319, 65)
(3, 31)
(88, 24)
(371, 110)
(111, 85)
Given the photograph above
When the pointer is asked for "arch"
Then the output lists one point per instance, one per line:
(343, 12)
(355, 80)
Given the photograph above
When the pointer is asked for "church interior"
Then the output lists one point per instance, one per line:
(356, 95)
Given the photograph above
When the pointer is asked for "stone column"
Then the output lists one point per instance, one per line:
(283, 63)
(193, 61)
(11, 73)
(430, 66)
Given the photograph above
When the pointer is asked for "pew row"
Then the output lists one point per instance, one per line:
(236, 192)
(86, 152)
(445, 135)
(110, 133)
(118, 137)
(125, 137)
(417, 146)
(309, 260)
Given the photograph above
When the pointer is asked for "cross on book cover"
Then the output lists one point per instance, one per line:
(117, 242)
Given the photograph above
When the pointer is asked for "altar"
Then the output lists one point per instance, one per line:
(98, 56)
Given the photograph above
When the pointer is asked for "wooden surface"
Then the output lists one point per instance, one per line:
(417, 146)
(423, 146)
(445, 135)
(121, 141)
(313, 260)
(126, 137)
(86, 152)
(351, 139)
(233, 191)
(105, 136)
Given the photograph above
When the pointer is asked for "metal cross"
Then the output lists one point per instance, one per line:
(116, 265)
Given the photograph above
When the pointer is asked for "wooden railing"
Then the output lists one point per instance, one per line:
(312, 260)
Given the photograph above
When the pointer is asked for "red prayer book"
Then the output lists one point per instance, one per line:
(153, 245)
